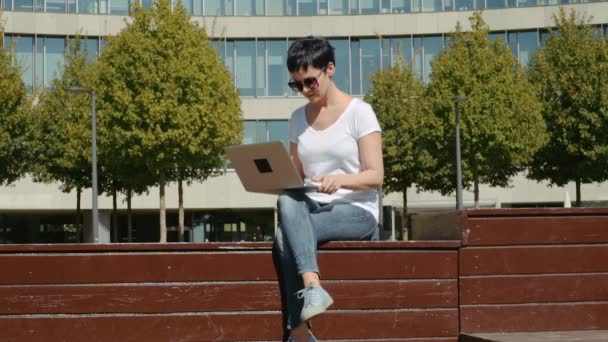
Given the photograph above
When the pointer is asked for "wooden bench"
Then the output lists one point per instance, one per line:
(534, 270)
(383, 291)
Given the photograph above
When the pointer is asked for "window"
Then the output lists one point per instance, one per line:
(402, 6)
(342, 55)
(370, 61)
(245, 67)
(24, 5)
(528, 45)
(281, 7)
(120, 7)
(54, 58)
(277, 68)
(338, 7)
(88, 6)
(355, 67)
(261, 68)
(219, 7)
(401, 49)
(307, 7)
(24, 53)
(370, 6)
(55, 6)
(249, 7)
(262, 131)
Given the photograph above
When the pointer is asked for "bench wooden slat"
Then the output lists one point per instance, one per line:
(544, 336)
(230, 327)
(533, 259)
(217, 246)
(534, 317)
(202, 297)
(209, 266)
(535, 230)
(533, 289)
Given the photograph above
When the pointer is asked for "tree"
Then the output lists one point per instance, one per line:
(501, 124)
(14, 106)
(167, 101)
(61, 132)
(571, 74)
(396, 96)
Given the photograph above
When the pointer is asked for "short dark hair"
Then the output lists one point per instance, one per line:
(310, 51)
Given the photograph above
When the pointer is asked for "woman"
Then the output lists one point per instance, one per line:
(335, 144)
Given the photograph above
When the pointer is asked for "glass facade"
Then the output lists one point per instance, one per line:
(42, 57)
(259, 66)
(280, 7)
(261, 131)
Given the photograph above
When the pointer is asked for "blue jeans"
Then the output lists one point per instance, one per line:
(306, 223)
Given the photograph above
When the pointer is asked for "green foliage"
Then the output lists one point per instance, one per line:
(61, 126)
(501, 124)
(407, 128)
(571, 74)
(14, 107)
(168, 106)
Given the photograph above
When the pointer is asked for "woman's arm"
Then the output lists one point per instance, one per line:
(293, 152)
(370, 154)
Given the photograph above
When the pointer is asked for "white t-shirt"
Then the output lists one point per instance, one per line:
(334, 150)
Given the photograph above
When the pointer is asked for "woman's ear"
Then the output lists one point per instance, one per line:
(330, 69)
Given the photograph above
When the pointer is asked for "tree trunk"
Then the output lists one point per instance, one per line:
(180, 191)
(78, 214)
(475, 189)
(163, 212)
(114, 227)
(129, 216)
(578, 193)
(405, 225)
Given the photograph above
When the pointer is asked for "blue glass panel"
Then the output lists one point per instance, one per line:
(55, 6)
(432, 47)
(24, 5)
(262, 132)
(401, 48)
(279, 131)
(250, 132)
(418, 60)
(338, 7)
(307, 7)
(386, 53)
(431, 5)
(249, 7)
(261, 68)
(7, 5)
(355, 68)
(119, 7)
(88, 6)
(277, 69)
(39, 62)
(278, 7)
(54, 59)
(342, 56)
(370, 6)
(354, 6)
(24, 53)
(491, 4)
(323, 7)
(528, 45)
(197, 7)
(498, 35)
(187, 4)
(245, 67)
(370, 61)
(464, 5)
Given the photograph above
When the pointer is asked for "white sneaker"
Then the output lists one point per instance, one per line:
(316, 301)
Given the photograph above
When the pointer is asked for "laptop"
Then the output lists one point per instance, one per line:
(266, 168)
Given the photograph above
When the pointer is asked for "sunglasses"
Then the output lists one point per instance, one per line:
(311, 83)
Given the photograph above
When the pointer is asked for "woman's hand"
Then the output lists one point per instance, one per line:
(329, 183)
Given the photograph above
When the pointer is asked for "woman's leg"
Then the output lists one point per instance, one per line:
(292, 207)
